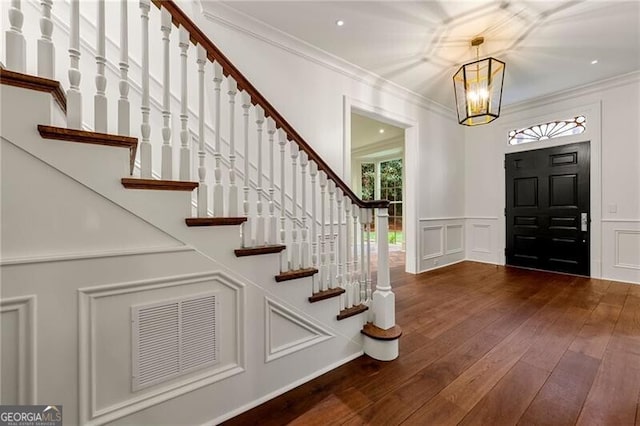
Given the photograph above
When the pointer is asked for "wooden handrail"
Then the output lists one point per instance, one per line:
(179, 18)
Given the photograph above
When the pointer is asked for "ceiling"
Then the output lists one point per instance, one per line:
(366, 131)
(548, 45)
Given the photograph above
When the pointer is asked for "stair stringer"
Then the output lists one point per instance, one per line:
(100, 169)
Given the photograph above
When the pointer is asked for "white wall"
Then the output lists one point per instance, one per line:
(612, 109)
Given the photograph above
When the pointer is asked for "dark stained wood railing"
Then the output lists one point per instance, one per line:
(214, 54)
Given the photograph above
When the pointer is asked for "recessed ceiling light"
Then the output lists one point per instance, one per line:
(595, 61)
(381, 131)
(339, 22)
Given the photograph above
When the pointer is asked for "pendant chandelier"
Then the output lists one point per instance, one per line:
(478, 89)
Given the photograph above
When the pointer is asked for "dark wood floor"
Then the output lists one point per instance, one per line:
(487, 345)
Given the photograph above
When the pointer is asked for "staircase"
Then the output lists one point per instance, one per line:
(297, 247)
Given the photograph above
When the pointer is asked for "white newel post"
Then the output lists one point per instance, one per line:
(313, 171)
(362, 285)
(333, 269)
(202, 170)
(185, 150)
(15, 43)
(383, 303)
(167, 150)
(340, 248)
(295, 245)
(273, 222)
(46, 50)
(74, 97)
(284, 256)
(100, 98)
(246, 226)
(260, 227)
(232, 90)
(304, 246)
(323, 275)
(218, 192)
(123, 86)
(145, 127)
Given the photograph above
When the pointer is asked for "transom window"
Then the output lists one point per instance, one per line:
(550, 130)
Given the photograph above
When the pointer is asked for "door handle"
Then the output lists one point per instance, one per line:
(584, 222)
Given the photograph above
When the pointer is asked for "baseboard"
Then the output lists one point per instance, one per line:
(282, 390)
(442, 266)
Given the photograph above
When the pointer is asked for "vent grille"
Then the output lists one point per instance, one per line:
(171, 338)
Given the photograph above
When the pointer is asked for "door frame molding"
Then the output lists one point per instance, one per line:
(410, 169)
(592, 134)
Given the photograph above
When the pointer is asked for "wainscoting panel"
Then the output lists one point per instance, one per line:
(286, 332)
(106, 386)
(17, 350)
(483, 239)
(442, 242)
(621, 250)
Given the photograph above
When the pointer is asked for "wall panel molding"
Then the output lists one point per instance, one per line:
(454, 238)
(481, 238)
(308, 333)
(89, 412)
(627, 248)
(25, 308)
(437, 250)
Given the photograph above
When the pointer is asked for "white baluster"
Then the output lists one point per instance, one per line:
(273, 222)
(202, 170)
(355, 280)
(124, 125)
(167, 150)
(185, 150)
(100, 98)
(15, 43)
(333, 269)
(145, 127)
(232, 90)
(46, 50)
(295, 245)
(246, 227)
(313, 171)
(74, 97)
(363, 266)
(324, 267)
(284, 256)
(348, 284)
(260, 228)
(218, 191)
(368, 269)
(340, 248)
(304, 247)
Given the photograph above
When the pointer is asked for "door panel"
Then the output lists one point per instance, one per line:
(547, 192)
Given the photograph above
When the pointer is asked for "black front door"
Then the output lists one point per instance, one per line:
(547, 214)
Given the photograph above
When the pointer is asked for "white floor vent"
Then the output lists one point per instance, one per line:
(173, 337)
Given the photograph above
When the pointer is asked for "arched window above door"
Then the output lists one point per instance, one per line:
(550, 130)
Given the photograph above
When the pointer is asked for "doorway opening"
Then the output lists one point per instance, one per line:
(378, 172)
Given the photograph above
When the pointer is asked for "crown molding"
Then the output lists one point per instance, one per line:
(234, 19)
(574, 92)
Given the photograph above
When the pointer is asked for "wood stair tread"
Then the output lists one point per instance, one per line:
(326, 294)
(214, 221)
(95, 138)
(157, 184)
(255, 251)
(299, 273)
(349, 312)
(41, 84)
(378, 333)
